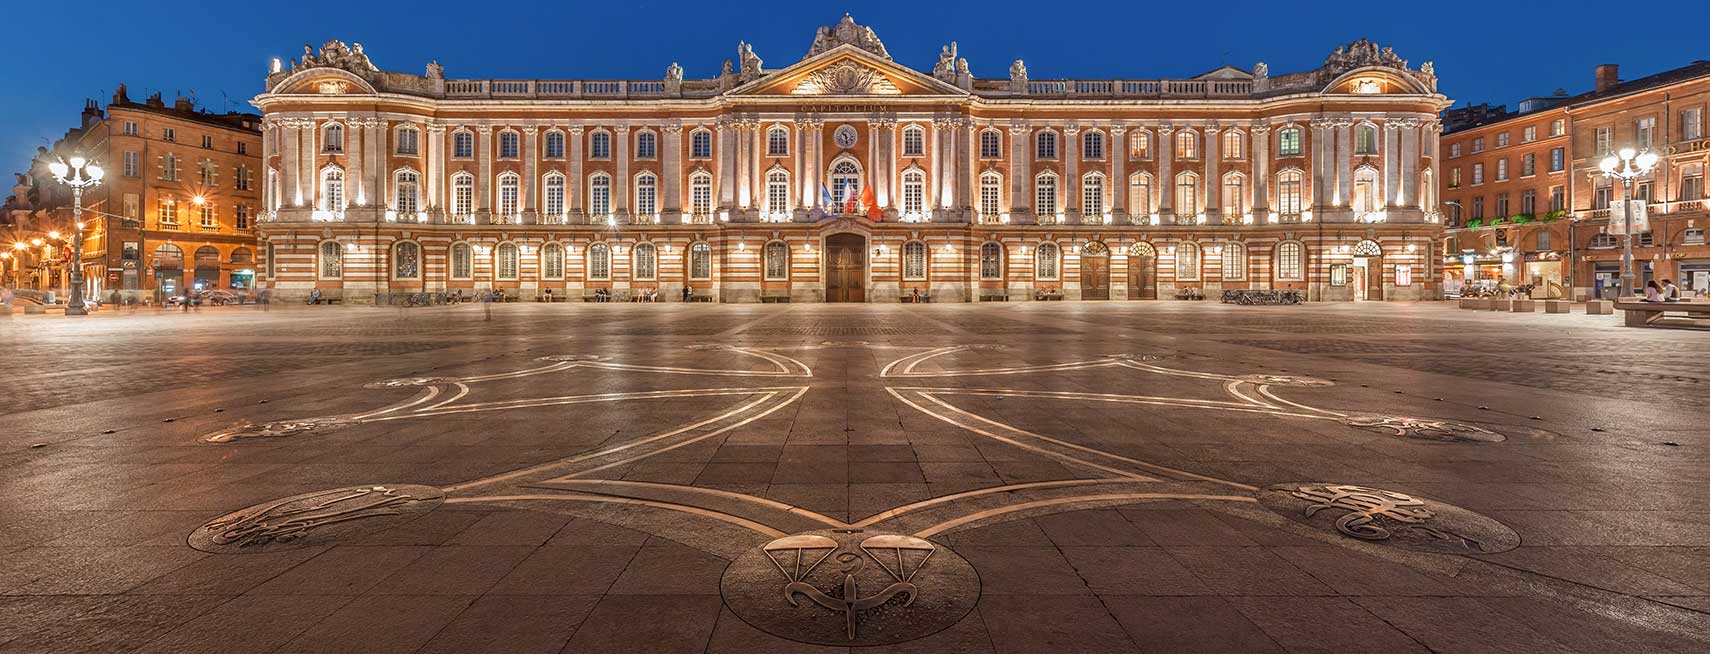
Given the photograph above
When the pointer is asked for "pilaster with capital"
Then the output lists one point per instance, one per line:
(1213, 152)
(576, 183)
(435, 169)
(1021, 177)
(484, 178)
(621, 182)
(1344, 161)
(356, 191)
(531, 172)
(726, 163)
(1391, 164)
(883, 135)
(269, 183)
(379, 140)
(307, 130)
(1407, 196)
(1118, 153)
(1322, 177)
(1071, 186)
(290, 194)
(1166, 181)
(671, 161)
(1261, 135)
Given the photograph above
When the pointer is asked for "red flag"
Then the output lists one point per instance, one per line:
(873, 212)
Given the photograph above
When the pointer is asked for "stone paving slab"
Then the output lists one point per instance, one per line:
(1097, 464)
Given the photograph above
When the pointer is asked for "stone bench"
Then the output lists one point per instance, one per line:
(1599, 308)
(1650, 314)
(906, 299)
(1557, 306)
(1474, 303)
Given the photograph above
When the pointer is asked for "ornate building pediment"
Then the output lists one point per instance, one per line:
(846, 32)
(845, 77)
(849, 71)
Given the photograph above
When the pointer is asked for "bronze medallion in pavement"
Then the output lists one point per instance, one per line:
(1422, 428)
(850, 587)
(1390, 518)
(315, 518)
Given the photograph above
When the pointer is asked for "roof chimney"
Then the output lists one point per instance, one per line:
(1607, 75)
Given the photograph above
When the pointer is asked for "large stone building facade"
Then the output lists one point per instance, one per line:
(846, 176)
(1528, 204)
(178, 207)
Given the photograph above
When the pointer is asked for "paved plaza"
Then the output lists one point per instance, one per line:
(1033, 477)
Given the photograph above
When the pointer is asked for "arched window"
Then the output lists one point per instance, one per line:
(647, 195)
(552, 261)
(1366, 190)
(914, 194)
(600, 145)
(554, 145)
(409, 140)
(1187, 195)
(505, 261)
(777, 257)
(991, 193)
(700, 144)
(1140, 144)
(1045, 195)
(914, 141)
(1365, 139)
(509, 147)
(1045, 261)
(700, 196)
(332, 190)
(991, 144)
(646, 144)
(1290, 264)
(1092, 195)
(778, 141)
(599, 261)
(1234, 144)
(1187, 144)
(845, 182)
(1289, 195)
(1288, 142)
(1045, 145)
(1234, 194)
(599, 195)
(1140, 194)
(700, 260)
(510, 190)
(462, 195)
(406, 260)
(407, 194)
(462, 261)
(552, 196)
(991, 260)
(332, 138)
(644, 261)
(914, 260)
(331, 260)
(462, 144)
(778, 194)
(1235, 262)
(1187, 261)
(1092, 144)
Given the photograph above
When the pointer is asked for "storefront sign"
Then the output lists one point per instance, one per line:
(1690, 146)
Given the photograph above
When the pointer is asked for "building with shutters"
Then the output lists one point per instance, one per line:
(844, 175)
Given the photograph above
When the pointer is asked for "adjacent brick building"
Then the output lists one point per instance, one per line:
(1526, 202)
(178, 206)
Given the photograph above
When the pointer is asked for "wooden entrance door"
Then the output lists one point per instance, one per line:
(1373, 278)
(846, 268)
(1095, 278)
(1142, 277)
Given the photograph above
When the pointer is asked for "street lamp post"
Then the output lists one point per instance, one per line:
(79, 175)
(1626, 165)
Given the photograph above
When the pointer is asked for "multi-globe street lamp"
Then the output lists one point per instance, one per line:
(77, 173)
(1626, 165)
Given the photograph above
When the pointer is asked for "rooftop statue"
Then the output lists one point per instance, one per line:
(846, 32)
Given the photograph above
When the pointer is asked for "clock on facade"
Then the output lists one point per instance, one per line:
(844, 137)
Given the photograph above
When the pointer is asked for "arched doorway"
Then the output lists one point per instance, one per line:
(1368, 270)
(1095, 271)
(207, 268)
(1142, 272)
(168, 265)
(846, 268)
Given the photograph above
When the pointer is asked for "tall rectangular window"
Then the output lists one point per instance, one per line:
(991, 188)
(1528, 164)
(1502, 140)
(1558, 127)
(1529, 134)
(1478, 173)
(240, 217)
(1558, 199)
(133, 164)
(1604, 140)
(1501, 204)
(1644, 133)
(1692, 124)
(133, 206)
(1502, 169)
(1558, 159)
(1288, 142)
(1528, 202)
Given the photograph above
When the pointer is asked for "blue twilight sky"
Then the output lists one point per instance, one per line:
(1496, 51)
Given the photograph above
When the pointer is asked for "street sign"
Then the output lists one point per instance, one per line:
(1618, 217)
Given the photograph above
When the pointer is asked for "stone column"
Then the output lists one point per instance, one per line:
(620, 181)
(1321, 176)
(1166, 182)
(1344, 164)
(1071, 185)
(356, 184)
(1020, 176)
(1408, 195)
(724, 177)
(574, 185)
(1118, 152)
(816, 162)
(307, 130)
(884, 160)
(671, 182)
(744, 154)
(269, 183)
(1261, 152)
(967, 169)
(1391, 165)
(531, 172)
(378, 141)
(483, 178)
(435, 168)
(1213, 185)
(290, 193)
